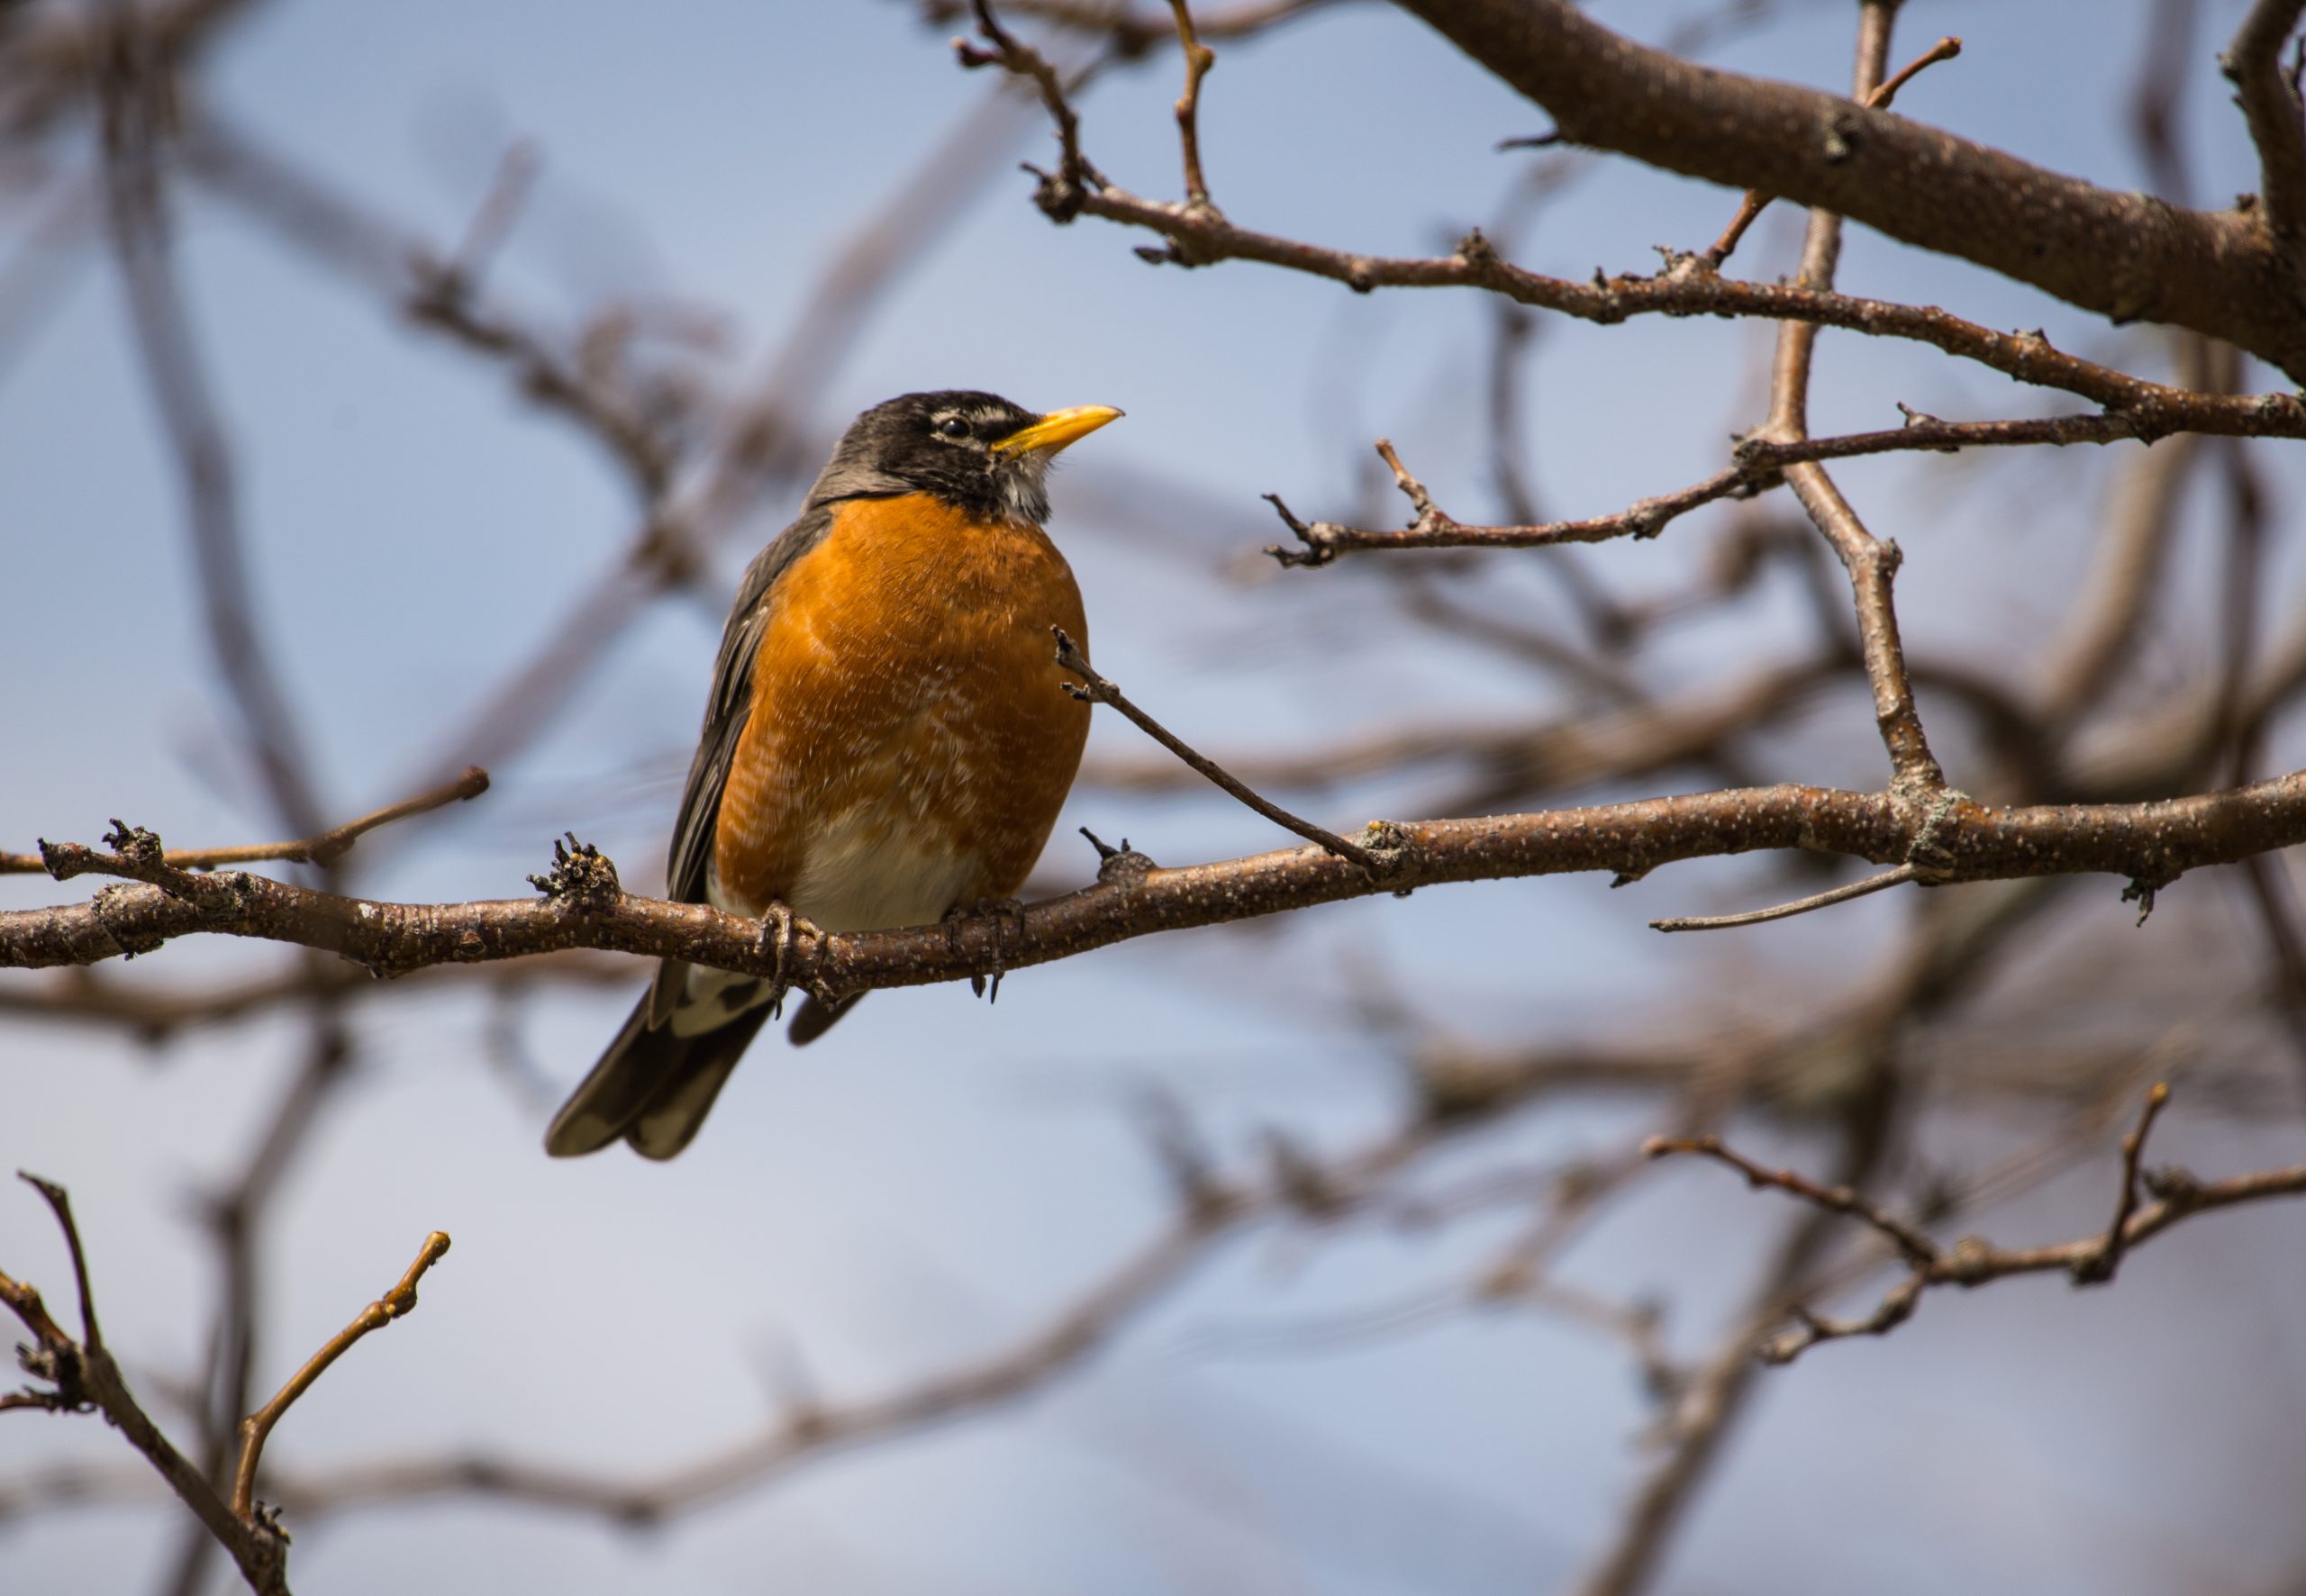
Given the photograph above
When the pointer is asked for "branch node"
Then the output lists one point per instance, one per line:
(1929, 856)
(1117, 864)
(582, 877)
(135, 844)
(1319, 539)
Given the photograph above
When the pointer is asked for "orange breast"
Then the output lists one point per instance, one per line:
(910, 743)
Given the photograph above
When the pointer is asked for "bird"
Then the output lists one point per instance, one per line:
(886, 743)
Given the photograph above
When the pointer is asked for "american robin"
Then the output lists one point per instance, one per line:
(886, 743)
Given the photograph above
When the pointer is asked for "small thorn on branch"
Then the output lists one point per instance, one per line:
(1097, 689)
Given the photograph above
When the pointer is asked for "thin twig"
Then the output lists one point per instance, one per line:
(1075, 175)
(1759, 462)
(1755, 201)
(1199, 60)
(323, 849)
(1871, 564)
(1825, 899)
(257, 1427)
(1097, 689)
(500, 207)
(2098, 1268)
(60, 1203)
(1324, 541)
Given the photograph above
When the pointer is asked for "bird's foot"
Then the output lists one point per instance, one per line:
(994, 909)
(781, 932)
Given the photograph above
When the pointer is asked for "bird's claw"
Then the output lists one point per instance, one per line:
(781, 933)
(993, 908)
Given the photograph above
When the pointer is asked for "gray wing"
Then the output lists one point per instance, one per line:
(690, 864)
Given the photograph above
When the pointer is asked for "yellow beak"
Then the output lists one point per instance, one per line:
(1056, 430)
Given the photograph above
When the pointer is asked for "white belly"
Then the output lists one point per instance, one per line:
(869, 868)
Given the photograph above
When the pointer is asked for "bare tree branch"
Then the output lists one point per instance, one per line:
(2277, 122)
(1760, 462)
(2153, 842)
(2178, 1194)
(81, 1376)
(2127, 256)
(1688, 287)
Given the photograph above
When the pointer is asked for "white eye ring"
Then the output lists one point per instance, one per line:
(953, 426)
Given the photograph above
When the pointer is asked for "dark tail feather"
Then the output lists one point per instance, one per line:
(817, 1017)
(651, 1088)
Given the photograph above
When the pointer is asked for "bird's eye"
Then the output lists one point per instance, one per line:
(952, 426)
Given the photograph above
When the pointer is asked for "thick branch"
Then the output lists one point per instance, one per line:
(2148, 842)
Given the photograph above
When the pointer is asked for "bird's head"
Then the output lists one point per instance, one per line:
(977, 452)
